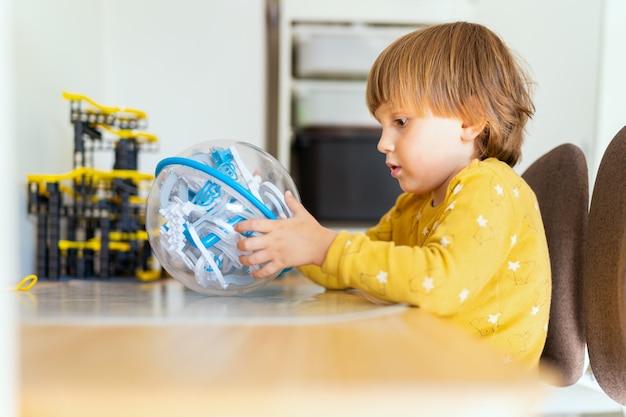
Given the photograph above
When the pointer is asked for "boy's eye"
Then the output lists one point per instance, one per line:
(401, 121)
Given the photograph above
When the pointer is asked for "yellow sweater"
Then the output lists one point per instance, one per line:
(479, 259)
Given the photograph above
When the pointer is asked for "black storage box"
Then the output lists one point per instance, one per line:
(341, 175)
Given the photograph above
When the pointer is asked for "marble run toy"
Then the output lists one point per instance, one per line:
(91, 223)
(195, 201)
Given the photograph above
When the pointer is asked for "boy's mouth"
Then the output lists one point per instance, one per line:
(395, 169)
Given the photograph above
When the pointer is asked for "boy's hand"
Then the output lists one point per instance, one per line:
(296, 241)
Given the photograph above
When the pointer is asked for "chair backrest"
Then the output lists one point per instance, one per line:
(560, 180)
(605, 272)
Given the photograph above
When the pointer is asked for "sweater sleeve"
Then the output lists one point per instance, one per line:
(315, 274)
(381, 231)
(466, 244)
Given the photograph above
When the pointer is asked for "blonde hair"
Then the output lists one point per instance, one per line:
(459, 70)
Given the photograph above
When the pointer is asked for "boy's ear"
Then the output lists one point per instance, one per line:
(471, 130)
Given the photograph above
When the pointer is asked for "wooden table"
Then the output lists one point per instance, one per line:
(291, 350)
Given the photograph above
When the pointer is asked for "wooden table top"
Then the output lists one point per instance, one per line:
(290, 350)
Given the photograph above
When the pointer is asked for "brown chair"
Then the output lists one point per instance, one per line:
(560, 180)
(604, 285)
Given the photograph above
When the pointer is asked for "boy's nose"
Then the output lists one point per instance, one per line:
(385, 145)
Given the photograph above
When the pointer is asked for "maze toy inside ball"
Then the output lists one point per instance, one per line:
(195, 201)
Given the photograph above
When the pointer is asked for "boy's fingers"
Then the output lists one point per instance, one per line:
(255, 225)
(241, 226)
(265, 271)
(292, 202)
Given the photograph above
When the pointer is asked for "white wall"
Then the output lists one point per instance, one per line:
(57, 46)
(576, 52)
(197, 67)
(8, 249)
(611, 109)
(560, 42)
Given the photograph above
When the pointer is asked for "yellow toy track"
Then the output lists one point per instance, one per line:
(107, 110)
(90, 222)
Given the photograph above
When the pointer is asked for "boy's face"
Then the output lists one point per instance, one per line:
(423, 152)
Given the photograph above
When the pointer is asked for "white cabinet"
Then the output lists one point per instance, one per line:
(330, 65)
(329, 103)
(339, 50)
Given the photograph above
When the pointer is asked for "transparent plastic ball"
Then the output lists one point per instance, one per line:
(196, 199)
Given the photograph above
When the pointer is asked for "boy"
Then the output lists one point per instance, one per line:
(465, 240)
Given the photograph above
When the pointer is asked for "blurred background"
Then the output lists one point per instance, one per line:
(213, 69)
(237, 69)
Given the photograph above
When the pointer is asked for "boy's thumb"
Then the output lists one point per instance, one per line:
(292, 202)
